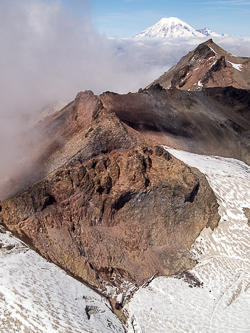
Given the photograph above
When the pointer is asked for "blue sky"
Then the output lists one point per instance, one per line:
(122, 18)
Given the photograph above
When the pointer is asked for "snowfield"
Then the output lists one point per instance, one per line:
(38, 297)
(222, 301)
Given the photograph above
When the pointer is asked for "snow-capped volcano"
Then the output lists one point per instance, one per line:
(173, 27)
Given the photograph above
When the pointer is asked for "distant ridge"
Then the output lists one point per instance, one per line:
(208, 65)
(209, 33)
(173, 27)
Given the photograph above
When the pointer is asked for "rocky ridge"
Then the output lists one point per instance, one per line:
(207, 66)
(107, 205)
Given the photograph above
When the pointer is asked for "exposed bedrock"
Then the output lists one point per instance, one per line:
(120, 208)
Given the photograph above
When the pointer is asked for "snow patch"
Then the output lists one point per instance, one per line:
(212, 50)
(236, 66)
(200, 85)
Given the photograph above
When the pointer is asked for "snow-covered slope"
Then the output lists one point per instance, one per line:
(173, 27)
(46, 111)
(38, 297)
(209, 33)
(216, 296)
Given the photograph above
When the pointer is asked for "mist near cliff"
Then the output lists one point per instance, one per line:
(49, 54)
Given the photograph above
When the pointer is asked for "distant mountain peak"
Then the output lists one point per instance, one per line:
(173, 27)
(209, 33)
(208, 65)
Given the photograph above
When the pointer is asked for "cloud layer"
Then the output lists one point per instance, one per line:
(47, 55)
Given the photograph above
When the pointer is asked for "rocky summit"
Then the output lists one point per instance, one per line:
(107, 205)
(208, 65)
(97, 193)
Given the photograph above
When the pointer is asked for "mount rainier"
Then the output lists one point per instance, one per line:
(173, 27)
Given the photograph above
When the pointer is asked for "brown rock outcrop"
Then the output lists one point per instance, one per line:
(113, 206)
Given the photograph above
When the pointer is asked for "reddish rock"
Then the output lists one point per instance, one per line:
(114, 206)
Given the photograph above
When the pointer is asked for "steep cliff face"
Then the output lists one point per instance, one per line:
(207, 66)
(107, 205)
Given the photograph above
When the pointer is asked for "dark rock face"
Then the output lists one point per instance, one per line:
(247, 214)
(179, 78)
(118, 207)
(214, 121)
(238, 100)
